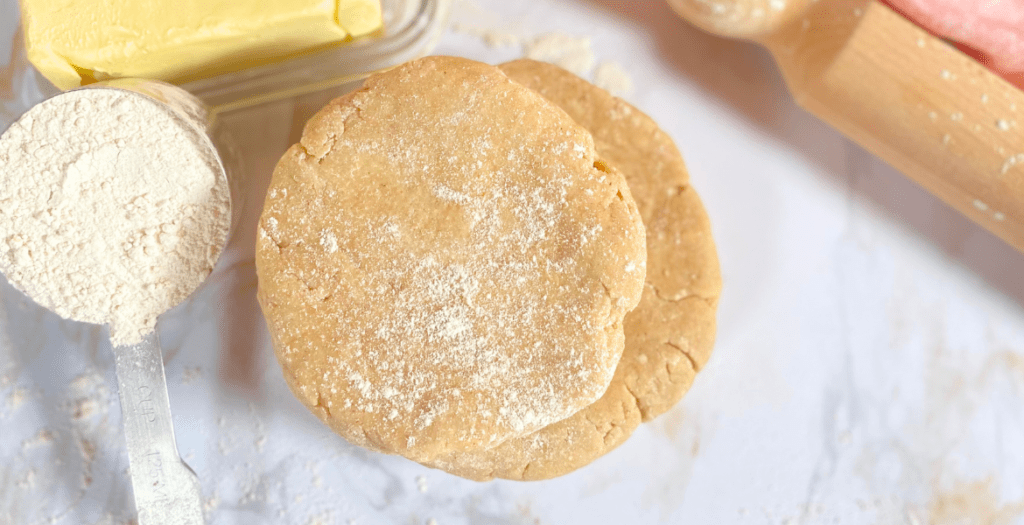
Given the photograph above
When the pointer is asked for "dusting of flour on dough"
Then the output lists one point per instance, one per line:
(478, 285)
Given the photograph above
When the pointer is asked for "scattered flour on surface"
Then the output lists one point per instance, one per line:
(324, 518)
(88, 396)
(211, 504)
(190, 374)
(494, 38)
(490, 27)
(43, 437)
(27, 480)
(112, 209)
(566, 51)
(16, 398)
(613, 78)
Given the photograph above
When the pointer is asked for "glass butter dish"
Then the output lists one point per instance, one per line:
(411, 29)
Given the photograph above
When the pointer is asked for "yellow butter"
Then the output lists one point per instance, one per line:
(75, 42)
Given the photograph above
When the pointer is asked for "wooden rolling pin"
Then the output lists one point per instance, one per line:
(910, 98)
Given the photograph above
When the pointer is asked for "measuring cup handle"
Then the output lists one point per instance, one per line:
(166, 490)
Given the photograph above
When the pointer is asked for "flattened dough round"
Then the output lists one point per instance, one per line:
(669, 336)
(444, 263)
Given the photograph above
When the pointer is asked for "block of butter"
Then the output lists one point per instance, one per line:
(76, 42)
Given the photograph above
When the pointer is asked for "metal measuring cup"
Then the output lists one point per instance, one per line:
(166, 490)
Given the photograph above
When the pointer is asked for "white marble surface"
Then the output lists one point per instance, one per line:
(869, 368)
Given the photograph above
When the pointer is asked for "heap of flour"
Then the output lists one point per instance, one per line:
(112, 209)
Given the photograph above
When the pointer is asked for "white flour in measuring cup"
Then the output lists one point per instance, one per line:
(112, 209)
